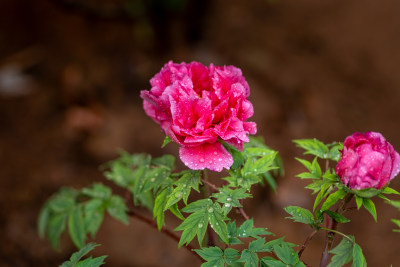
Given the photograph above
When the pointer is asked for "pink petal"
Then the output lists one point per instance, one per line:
(211, 156)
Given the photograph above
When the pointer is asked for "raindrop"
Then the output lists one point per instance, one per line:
(201, 160)
(219, 159)
(210, 210)
(210, 161)
(227, 205)
(215, 153)
(228, 199)
(200, 225)
(153, 179)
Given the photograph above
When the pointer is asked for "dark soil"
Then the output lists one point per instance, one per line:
(70, 76)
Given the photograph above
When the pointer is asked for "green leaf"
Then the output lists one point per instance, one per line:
(397, 222)
(198, 205)
(166, 141)
(394, 203)
(247, 230)
(249, 258)
(358, 257)
(334, 152)
(98, 190)
(343, 253)
(159, 204)
(366, 193)
(75, 258)
(139, 176)
(175, 210)
(216, 218)
(388, 190)
(231, 197)
(188, 181)
(117, 208)
(333, 198)
(231, 256)
(233, 240)
(313, 168)
(43, 220)
(321, 195)
(286, 254)
(167, 161)
(210, 253)
(313, 147)
(76, 227)
(56, 226)
(337, 217)
(62, 203)
(300, 215)
(194, 223)
(271, 262)
(359, 201)
(120, 174)
(261, 165)
(370, 207)
(93, 215)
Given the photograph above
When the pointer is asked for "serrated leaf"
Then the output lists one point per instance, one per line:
(154, 178)
(175, 210)
(313, 147)
(191, 226)
(337, 216)
(343, 253)
(75, 258)
(166, 141)
(210, 253)
(159, 204)
(313, 168)
(261, 165)
(91, 262)
(188, 181)
(333, 198)
(139, 176)
(216, 218)
(76, 227)
(167, 161)
(358, 257)
(321, 195)
(247, 230)
(120, 174)
(198, 205)
(117, 208)
(230, 197)
(286, 254)
(300, 215)
(231, 256)
(271, 262)
(334, 151)
(370, 207)
(233, 240)
(249, 258)
(56, 226)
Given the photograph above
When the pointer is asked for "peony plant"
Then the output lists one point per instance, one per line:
(205, 110)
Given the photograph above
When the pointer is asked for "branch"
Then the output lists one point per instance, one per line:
(305, 244)
(164, 230)
(241, 210)
(211, 185)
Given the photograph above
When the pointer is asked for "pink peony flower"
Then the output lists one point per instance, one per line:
(198, 105)
(368, 161)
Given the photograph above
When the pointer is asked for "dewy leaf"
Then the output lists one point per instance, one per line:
(192, 225)
(76, 227)
(216, 218)
(231, 256)
(230, 197)
(333, 198)
(286, 254)
(370, 207)
(271, 262)
(183, 187)
(117, 208)
(198, 205)
(343, 253)
(167, 161)
(334, 152)
(314, 147)
(300, 215)
(247, 230)
(358, 257)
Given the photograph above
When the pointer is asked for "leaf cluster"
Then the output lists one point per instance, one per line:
(81, 211)
(75, 260)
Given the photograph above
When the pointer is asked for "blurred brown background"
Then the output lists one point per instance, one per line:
(70, 76)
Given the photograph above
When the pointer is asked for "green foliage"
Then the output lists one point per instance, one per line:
(75, 260)
(82, 211)
(245, 230)
(231, 197)
(370, 207)
(319, 149)
(300, 215)
(204, 212)
(257, 163)
(343, 253)
(214, 256)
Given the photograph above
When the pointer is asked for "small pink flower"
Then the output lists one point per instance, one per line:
(198, 105)
(368, 161)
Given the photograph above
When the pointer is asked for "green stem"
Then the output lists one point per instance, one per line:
(339, 233)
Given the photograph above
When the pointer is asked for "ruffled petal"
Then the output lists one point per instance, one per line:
(211, 156)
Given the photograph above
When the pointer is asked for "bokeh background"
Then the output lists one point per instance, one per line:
(70, 76)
